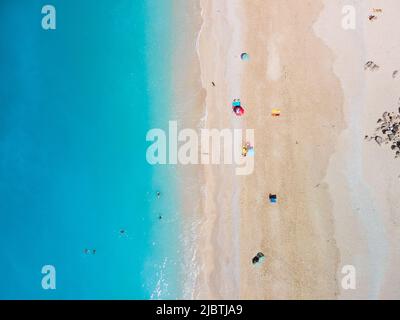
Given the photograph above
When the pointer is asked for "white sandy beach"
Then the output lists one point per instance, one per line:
(338, 198)
(363, 178)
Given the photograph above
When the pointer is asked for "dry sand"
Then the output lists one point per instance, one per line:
(363, 177)
(337, 194)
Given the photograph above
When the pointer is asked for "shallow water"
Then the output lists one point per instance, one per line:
(75, 107)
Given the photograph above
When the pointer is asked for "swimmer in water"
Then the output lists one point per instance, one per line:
(158, 194)
(122, 233)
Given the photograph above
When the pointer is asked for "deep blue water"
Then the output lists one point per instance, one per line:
(75, 106)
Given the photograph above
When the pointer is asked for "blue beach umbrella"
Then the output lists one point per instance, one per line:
(245, 56)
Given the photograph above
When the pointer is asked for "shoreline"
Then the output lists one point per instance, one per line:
(220, 254)
(188, 97)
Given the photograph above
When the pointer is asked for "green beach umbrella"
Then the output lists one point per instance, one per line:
(245, 56)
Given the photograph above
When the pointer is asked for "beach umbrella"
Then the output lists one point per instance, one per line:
(244, 56)
(238, 110)
(259, 258)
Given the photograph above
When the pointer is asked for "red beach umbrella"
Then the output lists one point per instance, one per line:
(238, 110)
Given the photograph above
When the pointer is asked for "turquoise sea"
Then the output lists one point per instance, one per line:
(75, 106)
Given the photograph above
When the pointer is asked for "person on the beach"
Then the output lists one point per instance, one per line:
(237, 107)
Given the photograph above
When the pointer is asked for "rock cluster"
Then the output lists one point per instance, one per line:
(388, 131)
(372, 66)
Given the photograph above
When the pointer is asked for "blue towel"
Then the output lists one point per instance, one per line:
(236, 104)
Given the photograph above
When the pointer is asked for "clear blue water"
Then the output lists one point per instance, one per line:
(75, 107)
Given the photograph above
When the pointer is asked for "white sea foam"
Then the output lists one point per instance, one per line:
(161, 289)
